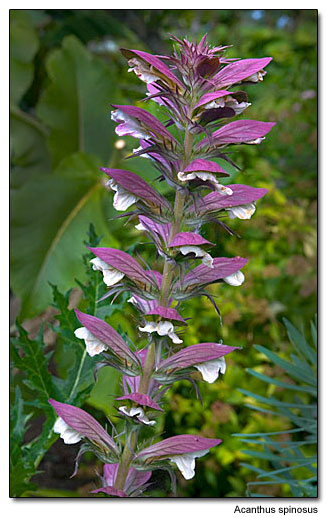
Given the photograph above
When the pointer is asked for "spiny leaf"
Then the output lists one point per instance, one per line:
(18, 419)
(33, 363)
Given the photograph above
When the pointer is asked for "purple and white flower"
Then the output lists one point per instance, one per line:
(241, 204)
(142, 71)
(130, 188)
(122, 198)
(67, 433)
(223, 268)
(205, 170)
(150, 68)
(223, 99)
(148, 225)
(189, 243)
(207, 259)
(79, 424)
(137, 413)
(208, 358)
(242, 70)
(126, 264)
(93, 345)
(162, 328)
(99, 336)
(139, 123)
(128, 126)
(181, 450)
(238, 132)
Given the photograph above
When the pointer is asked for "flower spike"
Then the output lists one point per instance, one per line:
(197, 90)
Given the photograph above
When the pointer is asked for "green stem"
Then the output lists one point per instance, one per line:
(125, 461)
(72, 393)
(167, 277)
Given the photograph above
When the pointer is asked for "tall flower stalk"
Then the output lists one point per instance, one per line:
(197, 88)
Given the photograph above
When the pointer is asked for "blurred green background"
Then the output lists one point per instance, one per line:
(66, 70)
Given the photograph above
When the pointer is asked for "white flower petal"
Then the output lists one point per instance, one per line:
(122, 198)
(183, 176)
(131, 129)
(142, 71)
(256, 141)
(224, 191)
(208, 260)
(186, 462)
(127, 125)
(166, 328)
(150, 327)
(175, 339)
(144, 155)
(198, 252)
(144, 419)
(93, 345)
(138, 413)
(235, 279)
(163, 328)
(111, 275)
(217, 103)
(124, 409)
(210, 369)
(256, 77)
(241, 211)
(238, 107)
(229, 102)
(140, 227)
(205, 176)
(66, 432)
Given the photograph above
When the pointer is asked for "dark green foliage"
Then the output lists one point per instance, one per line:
(291, 454)
(72, 384)
(29, 356)
(21, 467)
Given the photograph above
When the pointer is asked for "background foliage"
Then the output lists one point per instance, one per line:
(66, 70)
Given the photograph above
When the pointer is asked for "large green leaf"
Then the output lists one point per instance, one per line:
(23, 47)
(75, 105)
(29, 152)
(50, 217)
